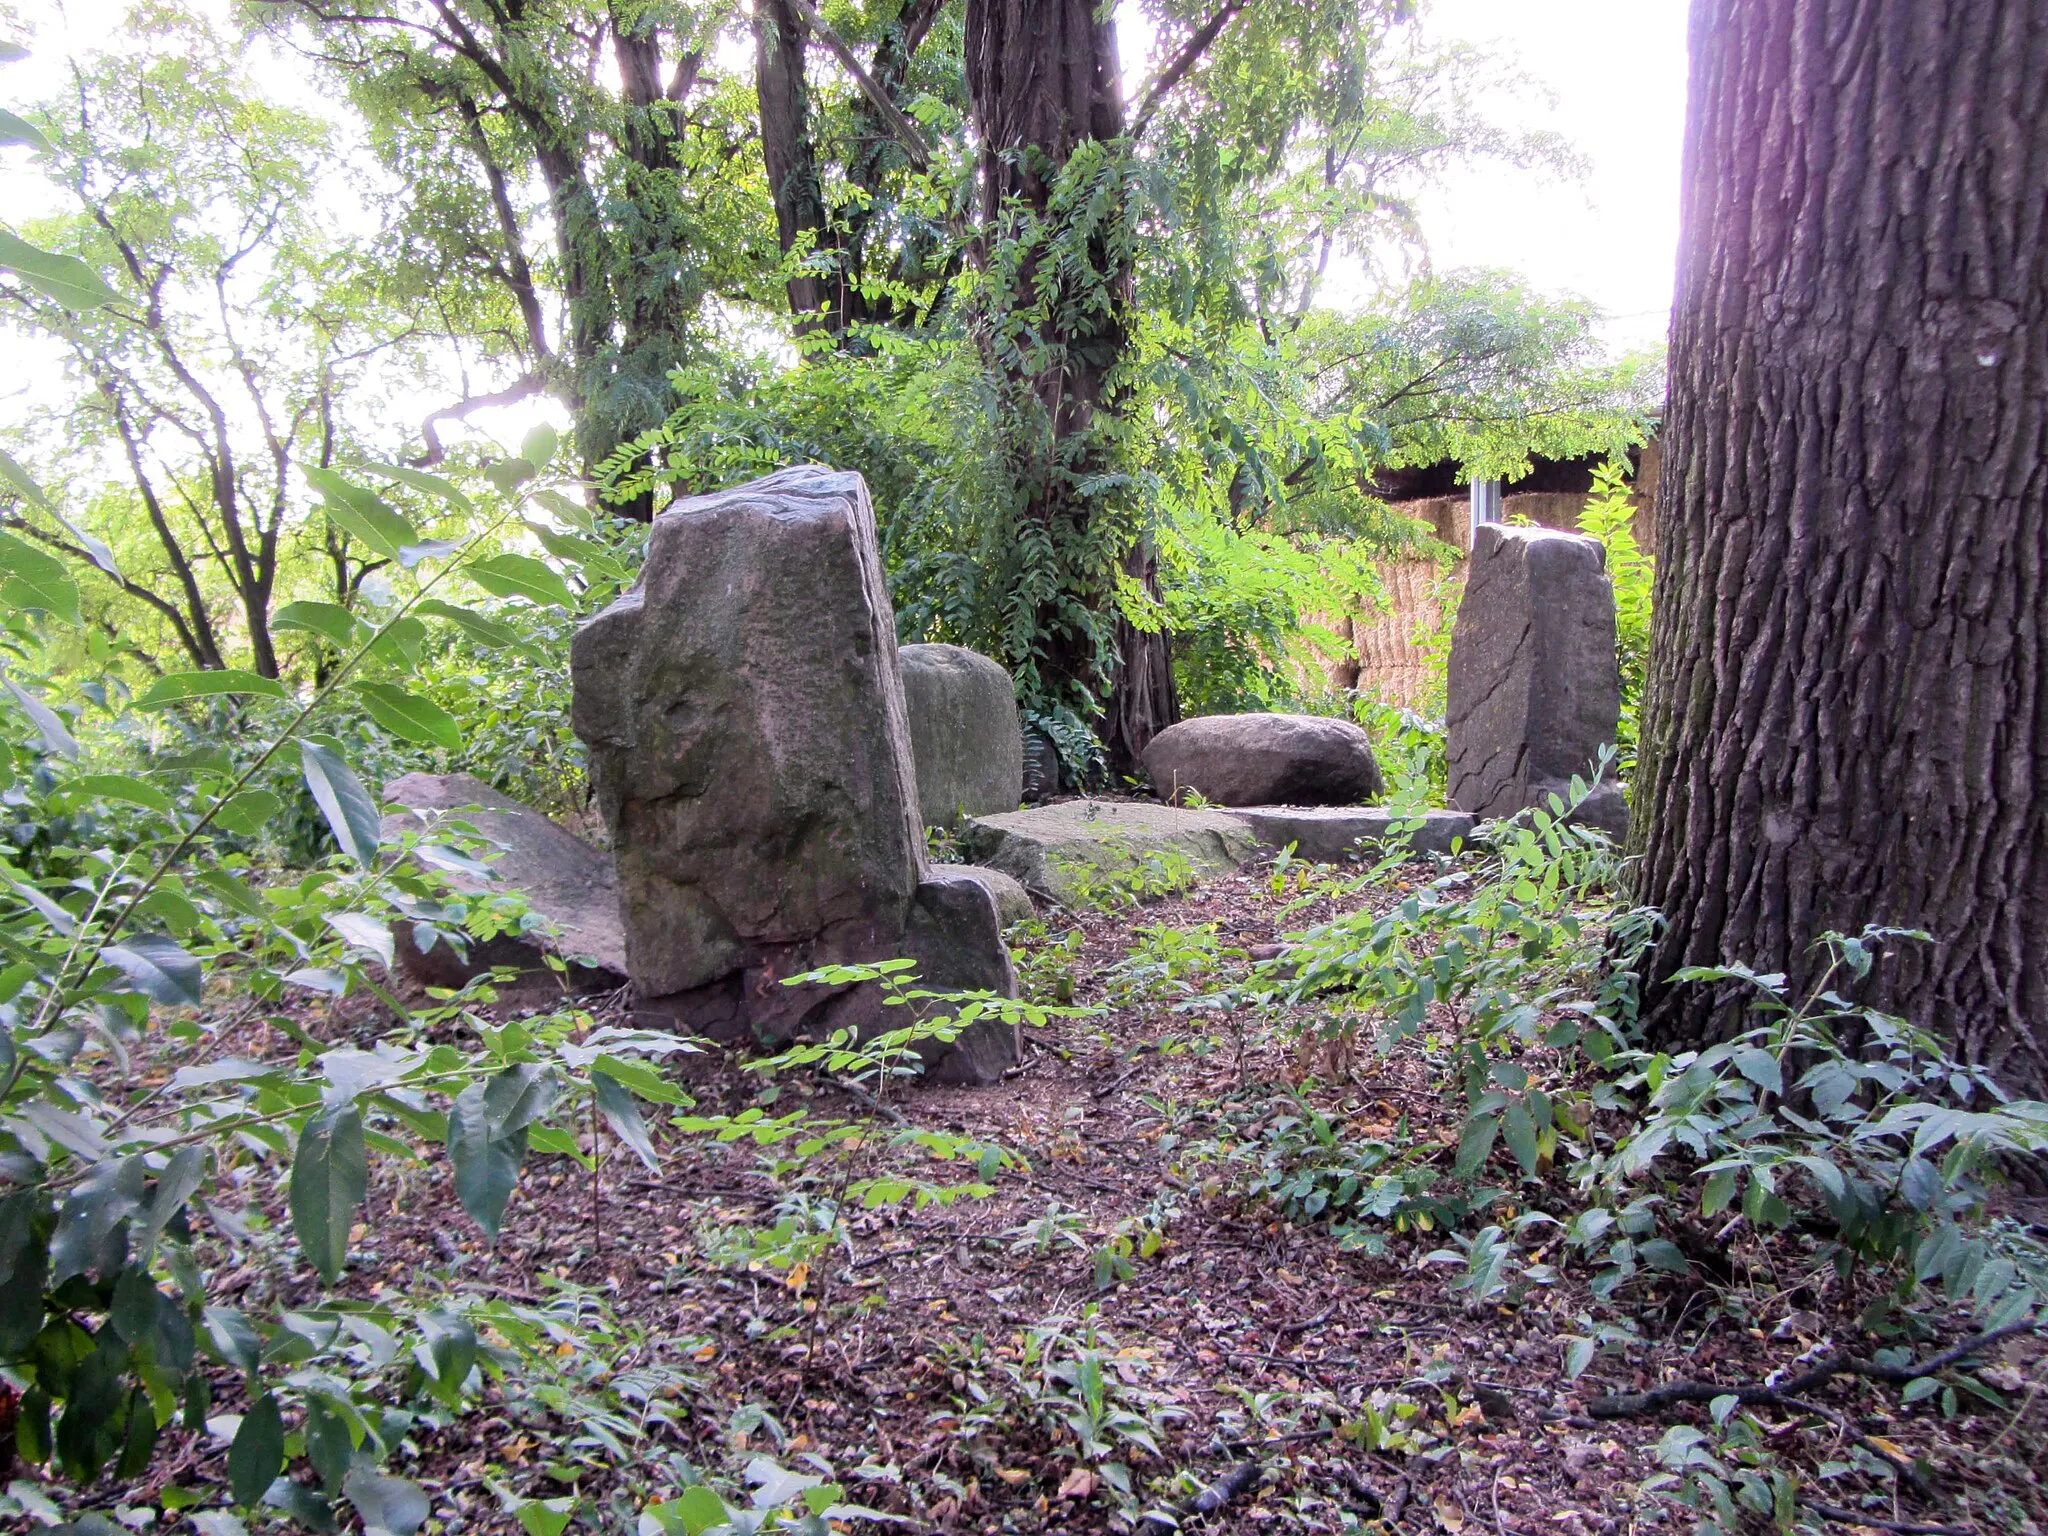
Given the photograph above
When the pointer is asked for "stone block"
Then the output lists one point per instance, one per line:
(1327, 834)
(563, 879)
(1535, 679)
(750, 753)
(1264, 760)
(964, 734)
(1062, 849)
(1013, 902)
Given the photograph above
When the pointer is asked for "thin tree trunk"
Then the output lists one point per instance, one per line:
(1143, 700)
(1847, 718)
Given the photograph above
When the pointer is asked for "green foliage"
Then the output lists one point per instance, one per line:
(107, 935)
(1888, 1134)
(1609, 516)
(1118, 878)
(1069, 1380)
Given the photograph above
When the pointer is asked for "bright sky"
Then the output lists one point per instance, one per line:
(1617, 69)
(1609, 75)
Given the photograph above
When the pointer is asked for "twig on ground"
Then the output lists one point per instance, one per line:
(1902, 1465)
(881, 1107)
(1403, 1492)
(1288, 1330)
(1636, 1405)
(1109, 1088)
(1904, 1527)
(1211, 1500)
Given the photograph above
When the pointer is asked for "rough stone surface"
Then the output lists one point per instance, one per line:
(964, 734)
(1264, 760)
(956, 938)
(1062, 849)
(1013, 902)
(563, 878)
(750, 753)
(1326, 833)
(1535, 681)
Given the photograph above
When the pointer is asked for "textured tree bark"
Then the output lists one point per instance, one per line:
(1143, 698)
(786, 142)
(1847, 717)
(1044, 79)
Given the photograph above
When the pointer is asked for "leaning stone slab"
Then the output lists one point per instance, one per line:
(964, 733)
(1326, 834)
(1264, 760)
(1535, 679)
(563, 879)
(1013, 902)
(750, 753)
(1061, 849)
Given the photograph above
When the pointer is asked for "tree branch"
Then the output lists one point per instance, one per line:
(1190, 54)
(1636, 1405)
(162, 605)
(524, 389)
(900, 127)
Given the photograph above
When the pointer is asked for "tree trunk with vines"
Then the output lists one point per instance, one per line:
(1044, 80)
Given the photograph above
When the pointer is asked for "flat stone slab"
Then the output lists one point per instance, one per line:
(1325, 834)
(563, 878)
(1061, 850)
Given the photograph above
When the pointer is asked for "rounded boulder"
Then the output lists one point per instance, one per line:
(1264, 760)
(964, 733)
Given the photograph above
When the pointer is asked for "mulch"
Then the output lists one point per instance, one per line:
(1237, 1336)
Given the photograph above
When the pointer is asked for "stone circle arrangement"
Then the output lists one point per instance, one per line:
(766, 759)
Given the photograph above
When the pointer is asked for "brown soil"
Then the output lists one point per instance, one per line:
(1240, 1335)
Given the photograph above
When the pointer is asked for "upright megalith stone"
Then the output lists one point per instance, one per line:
(743, 709)
(1535, 679)
(964, 734)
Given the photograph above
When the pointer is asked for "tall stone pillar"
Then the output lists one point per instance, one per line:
(750, 754)
(1535, 678)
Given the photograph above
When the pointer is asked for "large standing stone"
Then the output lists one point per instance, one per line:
(1535, 680)
(1264, 760)
(563, 878)
(1064, 850)
(964, 735)
(743, 707)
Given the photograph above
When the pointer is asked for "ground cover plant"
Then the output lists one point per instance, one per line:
(1340, 1199)
(1345, 1199)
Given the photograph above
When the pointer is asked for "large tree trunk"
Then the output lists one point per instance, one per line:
(1847, 719)
(1044, 79)
(786, 147)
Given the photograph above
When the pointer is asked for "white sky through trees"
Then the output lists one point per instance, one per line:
(1607, 75)
(1617, 69)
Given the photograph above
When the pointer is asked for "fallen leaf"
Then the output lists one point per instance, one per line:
(1015, 1476)
(1080, 1484)
(1448, 1515)
(799, 1276)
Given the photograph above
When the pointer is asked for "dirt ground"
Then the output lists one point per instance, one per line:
(1226, 1336)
